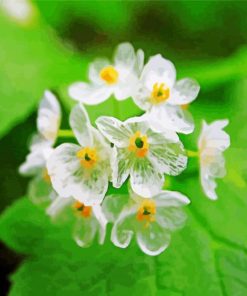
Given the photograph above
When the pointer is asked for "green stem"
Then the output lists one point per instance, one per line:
(116, 108)
(65, 134)
(191, 153)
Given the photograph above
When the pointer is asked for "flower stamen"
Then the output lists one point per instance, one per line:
(109, 74)
(146, 212)
(85, 211)
(160, 93)
(139, 144)
(88, 157)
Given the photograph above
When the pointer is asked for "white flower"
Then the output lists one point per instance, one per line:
(142, 153)
(119, 78)
(212, 142)
(48, 123)
(163, 97)
(151, 220)
(90, 220)
(81, 172)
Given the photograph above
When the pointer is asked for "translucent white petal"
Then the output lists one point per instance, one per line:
(34, 163)
(80, 125)
(94, 70)
(90, 94)
(141, 97)
(213, 136)
(184, 92)
(40, 190)
(38, 142)
(113, 205)
(123, 228)
(155, 138)
(137, 123)
(158, 70)
(169, 211)
(215, 165)
(153, 239)
(168, 117)
(104, 151)
(85, 231)
(40, 150)
(114, 130)
(171, 218)
(127, 85)
(49, 116)
(139, 61)
(121, 166)
(70, 178)
(58, 206)
(125, 55)
(208, 184)
(166, 198)
(168, 157)
(102, 222)
(145, 179)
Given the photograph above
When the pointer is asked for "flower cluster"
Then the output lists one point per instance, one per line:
(141, 151)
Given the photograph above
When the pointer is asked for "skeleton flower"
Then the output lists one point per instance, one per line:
(119, 78)
(151, 220)
(89, 221)
(212, 142)
(48, 123)
(163, 97)
(81, 172)
(142, 153)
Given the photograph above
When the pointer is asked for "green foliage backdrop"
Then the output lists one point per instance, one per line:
(207, 41)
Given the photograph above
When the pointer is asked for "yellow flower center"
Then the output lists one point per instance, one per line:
(139, 144)
(85, 211)
(46, 176)
(160, 93)
(146, 212)
(109, 74)
(88, 157)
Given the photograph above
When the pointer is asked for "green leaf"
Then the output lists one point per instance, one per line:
(56, 263)
(32, 60)
(202, 256)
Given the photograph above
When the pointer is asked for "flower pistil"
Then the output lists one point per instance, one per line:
(88, 157)
(139, 144)
(85, 211)
(109, 74)
(160, 93)
(146, 212)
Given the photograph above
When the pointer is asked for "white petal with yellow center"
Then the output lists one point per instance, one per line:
(151, 221)
(70, 178)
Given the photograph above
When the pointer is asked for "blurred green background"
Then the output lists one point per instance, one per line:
(207, 41)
